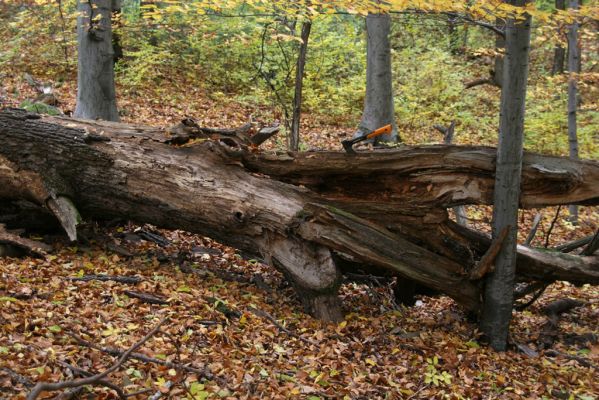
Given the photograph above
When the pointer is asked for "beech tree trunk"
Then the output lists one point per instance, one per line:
(299, 84)
(378, 102)
(96, 97)
(559, 53)
(573, 70)
(312, 215)
(498, 69)
(499, 289)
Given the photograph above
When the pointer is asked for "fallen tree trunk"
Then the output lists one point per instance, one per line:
(299, 211)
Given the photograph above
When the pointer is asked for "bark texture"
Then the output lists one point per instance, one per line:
(559, 53)
(378, 103)
(308, 214)
(96, 97)
(499, 289)
(299, 84)
(573, 70)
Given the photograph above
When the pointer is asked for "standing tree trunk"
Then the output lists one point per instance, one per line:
(96, 97)
(559, 53)
(378, 103)
(498, 301)
(117, 13)
(499, 58)
(573, 69)
(299, 83)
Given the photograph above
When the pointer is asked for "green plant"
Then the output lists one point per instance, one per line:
(434, 376)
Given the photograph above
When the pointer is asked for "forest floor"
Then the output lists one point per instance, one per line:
(237, 325)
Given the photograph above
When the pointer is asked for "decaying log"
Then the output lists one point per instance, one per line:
(302, 212)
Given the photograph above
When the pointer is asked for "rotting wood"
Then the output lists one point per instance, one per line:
(299, 211)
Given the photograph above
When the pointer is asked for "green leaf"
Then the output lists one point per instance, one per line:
(55, 328)
(184, 289)
(3, 350)
(7, 298)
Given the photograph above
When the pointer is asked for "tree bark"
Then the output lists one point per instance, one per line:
(378, 103)
(573, 70)
(308, 214)
(299, 83)
(498, 70)
(559, 53)
(499, 288)
(96, 97)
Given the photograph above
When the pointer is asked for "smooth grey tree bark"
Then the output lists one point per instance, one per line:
(498, 300)
(559, 53)
(96, 95)
(378, 103)
(573, 70)
(299, 84)
(499, 58)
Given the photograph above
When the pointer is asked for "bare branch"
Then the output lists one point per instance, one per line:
(94, 379)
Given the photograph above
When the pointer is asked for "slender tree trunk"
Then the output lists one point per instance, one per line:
(96, 97)
(497, 310)
(378, 104)
(559, 53)
(454, 38)
(299, 83)
(117, 11)
(573, 69)
(499, 58)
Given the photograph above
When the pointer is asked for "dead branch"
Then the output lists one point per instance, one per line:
(97, 379)
(533, 230)
(145, 297)
(116, 352)
(38, 248)
(130, 280)
(575, 244)
(272, 320)
(592, 247)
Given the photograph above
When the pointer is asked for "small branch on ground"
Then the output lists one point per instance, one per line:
(575, 244)
(582, 361)
(145, 297)
(130, 280)
(15, 376)
(478, 82)
(37, 248)
(592, 247)
(116, 352)
(535, 297)
(97, 379)
(272, 320)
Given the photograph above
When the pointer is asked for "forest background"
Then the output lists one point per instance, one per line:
(226, 68)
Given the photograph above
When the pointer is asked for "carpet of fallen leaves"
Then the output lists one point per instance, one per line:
(220, 308)
(235, 328)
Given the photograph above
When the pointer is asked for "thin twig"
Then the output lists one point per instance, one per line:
(523, 306)
(551, 226)
(140, 357)
(94, 379)
(264, 314)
